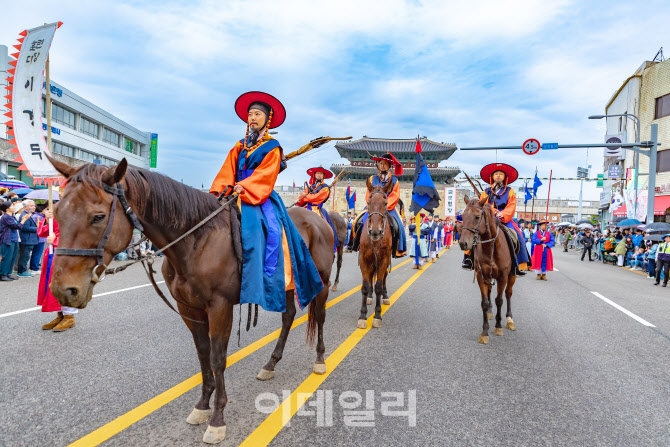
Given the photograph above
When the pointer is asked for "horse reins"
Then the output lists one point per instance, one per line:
(476, 237)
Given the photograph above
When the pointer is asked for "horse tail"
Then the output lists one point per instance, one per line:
(310, 334)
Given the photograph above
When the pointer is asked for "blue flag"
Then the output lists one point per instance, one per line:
(351, 198)
(528, 196)
(424, 194)
(536, 184)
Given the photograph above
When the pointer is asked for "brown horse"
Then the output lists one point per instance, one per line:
(374, 256)
(341, 229)
(482, 232)
(201, 271)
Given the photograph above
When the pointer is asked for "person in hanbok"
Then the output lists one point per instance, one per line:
(448, 233)
(316, 194)
(543, 260)
(275, 259)
(432, 241)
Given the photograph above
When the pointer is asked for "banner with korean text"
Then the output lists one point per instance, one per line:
(25, 114)
(449, 201)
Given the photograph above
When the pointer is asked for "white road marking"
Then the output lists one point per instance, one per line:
(9, 314)
(555, 269)
(624, 310)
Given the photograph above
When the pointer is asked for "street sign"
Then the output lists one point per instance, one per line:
(549, 146)
(601, 178)
(531, 146)
(614, 172)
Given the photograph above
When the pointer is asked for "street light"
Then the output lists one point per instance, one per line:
(651, 153)
(637, 153)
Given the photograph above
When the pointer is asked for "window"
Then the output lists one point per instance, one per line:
(89, 127)
(63, 116)
(108, 162)
(131, 146)
(111, 137)
(663, 161)
(63, 149)
(662, 107)
(88, 156)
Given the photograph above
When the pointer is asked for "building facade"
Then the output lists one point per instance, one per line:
(361, 167)
(82, 132)
(645, 94)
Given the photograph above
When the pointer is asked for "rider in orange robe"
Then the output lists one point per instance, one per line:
(316, 195)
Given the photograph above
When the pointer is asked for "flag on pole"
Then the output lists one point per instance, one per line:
(536, 184)
(528, 196)
(424, 194)
(293, 185)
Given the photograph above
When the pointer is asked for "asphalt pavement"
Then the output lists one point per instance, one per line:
(587, 366)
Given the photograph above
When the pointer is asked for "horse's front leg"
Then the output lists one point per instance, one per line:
(366, 290)
(320, 311)
(220, 323)
(340, 250)
(508, 295)
(485, 291)
(200, 333)
(268, 371)
(386, 300)
(379, 291)
(501, 284)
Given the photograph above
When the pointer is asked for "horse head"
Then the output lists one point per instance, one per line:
(475, 223)
(83, 216)
(377, 209)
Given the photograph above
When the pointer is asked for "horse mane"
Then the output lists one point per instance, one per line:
(158, 198)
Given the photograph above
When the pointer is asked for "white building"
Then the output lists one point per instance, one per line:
(82, 131)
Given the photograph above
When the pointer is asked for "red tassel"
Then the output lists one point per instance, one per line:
(12, 63)
(18, 47)
(418, 146)
(23, 33)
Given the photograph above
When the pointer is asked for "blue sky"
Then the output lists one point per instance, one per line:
(470, 73)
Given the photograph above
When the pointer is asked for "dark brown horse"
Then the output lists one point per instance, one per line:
(483, 233)
(201, 271)
(374, 255)
(341, 229)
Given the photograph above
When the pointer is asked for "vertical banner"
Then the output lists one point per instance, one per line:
(154, 153)
(449, 201)
(25, 112)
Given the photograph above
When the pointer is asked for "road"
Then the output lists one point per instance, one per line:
(578, 370)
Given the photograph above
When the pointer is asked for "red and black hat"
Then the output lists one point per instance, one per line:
(312, 171)
(266, 102)
(542, 221)
(487, 171)
(392, 161)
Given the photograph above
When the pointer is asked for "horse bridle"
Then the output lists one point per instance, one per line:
(99, 271)
(476, 231)
(371, 213)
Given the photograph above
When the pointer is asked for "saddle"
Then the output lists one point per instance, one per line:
(512, 239)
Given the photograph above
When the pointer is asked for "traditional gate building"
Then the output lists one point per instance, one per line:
(358, 153)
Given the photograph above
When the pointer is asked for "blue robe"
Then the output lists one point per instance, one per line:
(402, 241)
(323, 212)
(263, 260)
(499, 203)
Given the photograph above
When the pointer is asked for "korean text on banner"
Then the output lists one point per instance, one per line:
(449, 202)
(27, 101)
(154, 152)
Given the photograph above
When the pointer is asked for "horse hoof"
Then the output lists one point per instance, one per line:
(214, 435)
(484, 339)
(498, 331)
(362, 324)
(369, 301)
(198, 417)
(510, 324)
(376, 322)
(489, 315)
(386, 301)
(334, 289)
(319, 368)
(265, 375)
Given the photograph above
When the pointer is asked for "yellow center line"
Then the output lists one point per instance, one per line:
(136, 414)
(272, 425)
(635, 271)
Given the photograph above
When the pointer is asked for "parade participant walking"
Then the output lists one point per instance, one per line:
(432, 228)
(65, 318)
(543, 260)
(420, 248)
(275, 257)
(316, 194)
(9, 239)
(448, 233)
(350, 222)
(501, 197)
(384, 164)
(663, 260)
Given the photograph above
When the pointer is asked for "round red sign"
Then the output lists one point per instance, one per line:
(531, 146)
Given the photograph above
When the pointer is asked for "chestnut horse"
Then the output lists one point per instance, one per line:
(374, 255)
(482, 232)
(341, 229)
(201, 271)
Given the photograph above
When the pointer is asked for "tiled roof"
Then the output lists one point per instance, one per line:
(438, 174)
(383, 145)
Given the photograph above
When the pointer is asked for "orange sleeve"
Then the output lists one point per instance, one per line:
(259, 185)
(226, 175)
(367, 192)
(510, 209)
(315, 199)
(393, 196)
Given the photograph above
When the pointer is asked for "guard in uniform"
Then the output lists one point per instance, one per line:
(316, 194)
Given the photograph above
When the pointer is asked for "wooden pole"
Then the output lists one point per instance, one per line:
(48, 106)
(546, 215)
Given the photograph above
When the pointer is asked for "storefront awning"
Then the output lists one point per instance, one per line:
(661, 203)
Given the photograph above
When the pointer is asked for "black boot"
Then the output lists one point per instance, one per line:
(468, 263)
(519, 272)
(358, 228)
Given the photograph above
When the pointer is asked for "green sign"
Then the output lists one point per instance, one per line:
(129, 145)
(601, 177)
(154, 150)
